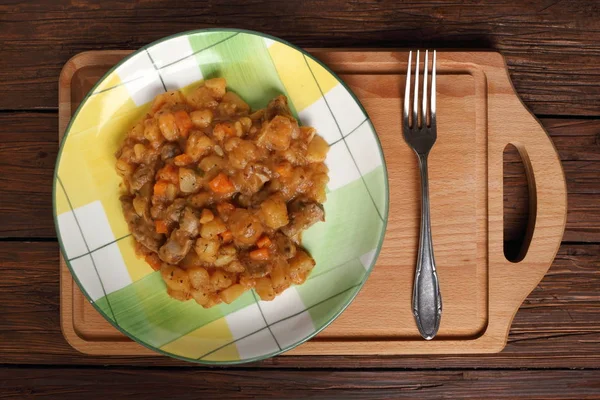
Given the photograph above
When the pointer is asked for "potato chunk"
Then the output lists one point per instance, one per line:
(264, 289)
(176, 278)
(207, 249)
(198, 144)
(277, 134)
(274, 212)
(231, 293)
(198, 277)
(168, 126)
(217, 87)
(317, 150)
(202, 98)
(201, 118)
(245, 227)
(211, 229)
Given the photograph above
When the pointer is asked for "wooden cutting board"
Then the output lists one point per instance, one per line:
(479, 114)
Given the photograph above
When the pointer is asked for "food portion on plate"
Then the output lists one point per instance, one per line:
(217, 196)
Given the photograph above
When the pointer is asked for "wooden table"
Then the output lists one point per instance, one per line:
(553, 52)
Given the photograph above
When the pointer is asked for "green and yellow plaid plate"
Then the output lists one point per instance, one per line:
(99, 250)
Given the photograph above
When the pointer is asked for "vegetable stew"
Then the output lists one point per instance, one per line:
(217, 196)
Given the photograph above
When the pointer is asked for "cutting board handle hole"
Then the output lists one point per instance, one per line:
(519, 203)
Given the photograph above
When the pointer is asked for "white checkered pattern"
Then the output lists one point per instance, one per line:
(364, 148)
(111, 267)
(319, 117)
(346, 110)
(140, 78)
(175, 62)
(342, 169)
(245, 321)
(293, 330)
(94, 225)
(367, 259)
(286, 304)
(256, 345)
(170, 50)
(104, 251)
(70, 235)
(87, 276)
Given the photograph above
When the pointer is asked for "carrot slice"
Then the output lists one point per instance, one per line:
(161, 226)
(160, 187)
(154, 261)
(263, 242)
(227, 236)
(169, 173)
(221, 184)
(260, 254)
(284, 169)
(183, 160)
(183, 122)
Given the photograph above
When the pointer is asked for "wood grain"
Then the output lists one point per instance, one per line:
(34, 136)
(483, 290)
(75, 383)
(551, 58)
(27, 157)
(557, 326)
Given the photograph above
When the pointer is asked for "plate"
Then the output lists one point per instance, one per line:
(99, 250)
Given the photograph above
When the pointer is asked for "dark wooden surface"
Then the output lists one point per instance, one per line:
(553, 53)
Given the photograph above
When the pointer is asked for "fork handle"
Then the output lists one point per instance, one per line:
(427, 301)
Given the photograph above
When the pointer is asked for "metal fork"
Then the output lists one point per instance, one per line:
(420, 133)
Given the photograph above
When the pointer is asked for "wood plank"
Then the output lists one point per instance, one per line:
(27, 157)
(74, 383)
(558, 326)
(551, 59)
(30, 148)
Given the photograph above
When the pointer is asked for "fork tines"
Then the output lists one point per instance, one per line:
(419, 116)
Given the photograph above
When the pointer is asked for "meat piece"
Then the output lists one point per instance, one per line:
(173, 212)
(143, 231)
(176, 247)
(169, 150)
(257, 198)
(277, 133)
(255, 268)
(303, 214)
(188, 223)
(128, 210)
(147, 237)
(157, 211)
(284, 246)
(277, 106)
(142, 175)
